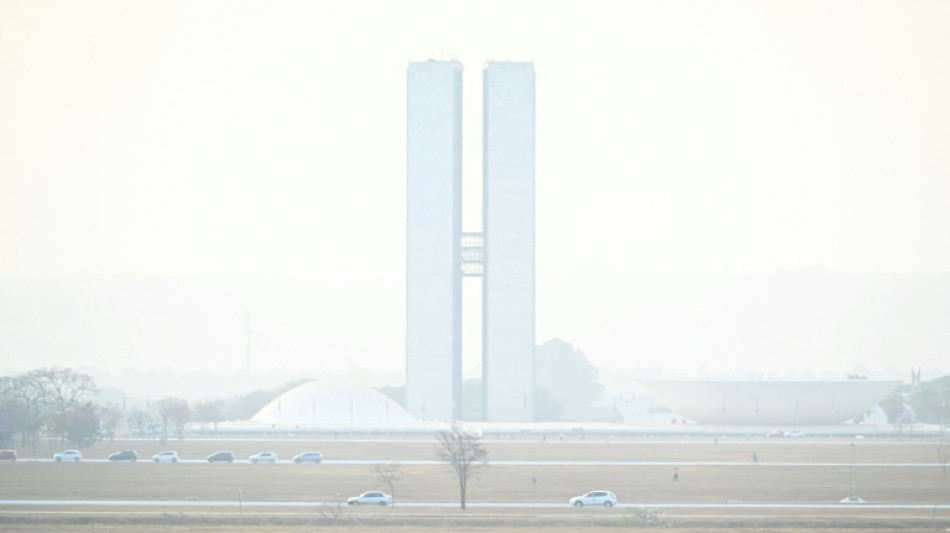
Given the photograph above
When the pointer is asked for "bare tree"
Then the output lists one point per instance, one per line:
(173, 412)
(462, 450)
(208, 412)
(61, 390)
(387, 473)
(137, 418)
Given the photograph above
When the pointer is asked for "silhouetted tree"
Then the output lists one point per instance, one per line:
(387, 473)
(546, 406)
(396, 393)
(81, 425)
(208, 412)
(109, 417)
(60, 391)
(138, 418)
(245, 407)
(565, 375)
(172, 413)
(462, 451)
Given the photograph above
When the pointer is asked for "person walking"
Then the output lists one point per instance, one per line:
(676, 476)
(755, 458)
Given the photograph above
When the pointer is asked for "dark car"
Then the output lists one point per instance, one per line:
(221, 457)
(7, 455)
(308, 457)
(124, 455)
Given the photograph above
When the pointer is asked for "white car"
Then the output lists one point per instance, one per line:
(795, 433)
(308, 457)
(595, 497)
(263, 457)
(371, 498)
(165, 457)
(68, 455)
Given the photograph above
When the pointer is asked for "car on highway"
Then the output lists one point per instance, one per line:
(124, 455)
(308, 457)
(374, 497)
(221, 457)
(165, 457)
(263, 457)
(795, 433)
(775, 434)
(595, 497)
(68, 455)
(8, 455)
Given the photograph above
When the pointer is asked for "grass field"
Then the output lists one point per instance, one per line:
(795, 471)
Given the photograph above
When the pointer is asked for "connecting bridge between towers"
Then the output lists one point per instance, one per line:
(473, 255)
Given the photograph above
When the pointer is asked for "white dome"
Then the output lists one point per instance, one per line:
(322, 404)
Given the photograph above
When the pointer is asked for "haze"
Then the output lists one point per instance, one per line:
(735, 186)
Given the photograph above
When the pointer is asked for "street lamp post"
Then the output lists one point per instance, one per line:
(852, 469)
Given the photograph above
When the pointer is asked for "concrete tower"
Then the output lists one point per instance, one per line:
(439, 255)
(433, 240)
(508, 220)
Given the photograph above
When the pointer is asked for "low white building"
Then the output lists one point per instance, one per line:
(767, 402)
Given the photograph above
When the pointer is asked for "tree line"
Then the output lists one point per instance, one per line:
(61, 405)
(53, 402)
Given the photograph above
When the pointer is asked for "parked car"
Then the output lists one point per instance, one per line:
(595, 497)
(775, 433)
(371, 498)
(795, 433)
(308, 457)
(264, 457)
(221, 457)
(124, 455)
(165, 457)
(7, 455)
(68, 455)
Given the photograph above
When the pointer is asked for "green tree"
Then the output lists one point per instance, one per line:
(396, 393)
(81, 425)
(26, 407)
(546, 406)
(929, 402)
(245, 407)
(60, 391)
(566, 376)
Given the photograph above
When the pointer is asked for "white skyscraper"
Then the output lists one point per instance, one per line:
(503, 253)
(433, 240)
(508, 220)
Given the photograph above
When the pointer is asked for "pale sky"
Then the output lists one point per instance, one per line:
(227, 138)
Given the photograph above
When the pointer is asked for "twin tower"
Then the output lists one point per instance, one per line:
(439, 254)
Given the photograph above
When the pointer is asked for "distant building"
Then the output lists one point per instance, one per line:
(768, 402)
(439, 255)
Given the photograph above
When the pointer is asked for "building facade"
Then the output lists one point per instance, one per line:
(508, 225)
(433, 240)
(439, 255)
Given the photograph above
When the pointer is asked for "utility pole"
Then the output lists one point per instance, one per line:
(247, 340)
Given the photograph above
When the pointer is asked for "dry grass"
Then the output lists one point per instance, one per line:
(767, 482)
